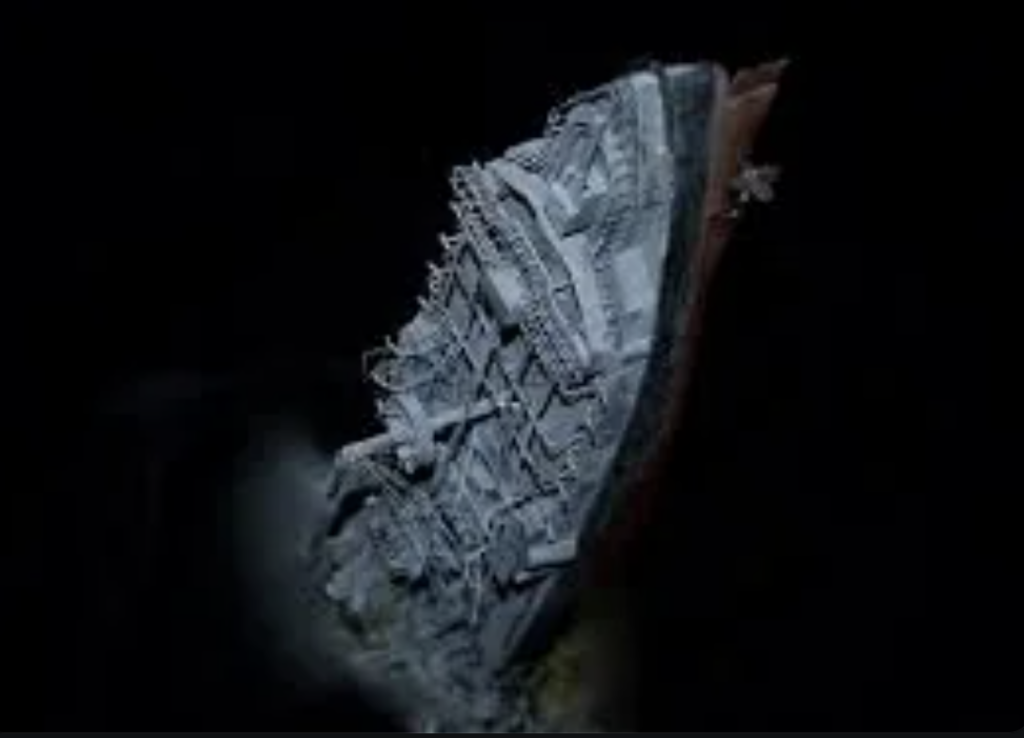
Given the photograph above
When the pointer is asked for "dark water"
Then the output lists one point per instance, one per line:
(215, 215)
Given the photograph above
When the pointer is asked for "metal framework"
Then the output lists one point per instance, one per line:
(504, 400)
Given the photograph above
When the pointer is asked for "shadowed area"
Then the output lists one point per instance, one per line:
(228, 205)
(214, 624)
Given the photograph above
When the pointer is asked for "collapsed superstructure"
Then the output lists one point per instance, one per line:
(506, 398)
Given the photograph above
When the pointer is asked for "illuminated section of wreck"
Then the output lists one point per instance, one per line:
(507, 398)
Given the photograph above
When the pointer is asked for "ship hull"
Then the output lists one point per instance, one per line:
(528, 404)
(692, 109)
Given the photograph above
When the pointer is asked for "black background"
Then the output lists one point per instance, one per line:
(237, 206)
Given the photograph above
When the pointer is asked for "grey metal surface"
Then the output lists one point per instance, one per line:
(505, 401)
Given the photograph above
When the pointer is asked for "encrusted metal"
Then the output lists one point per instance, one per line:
(504, 401)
